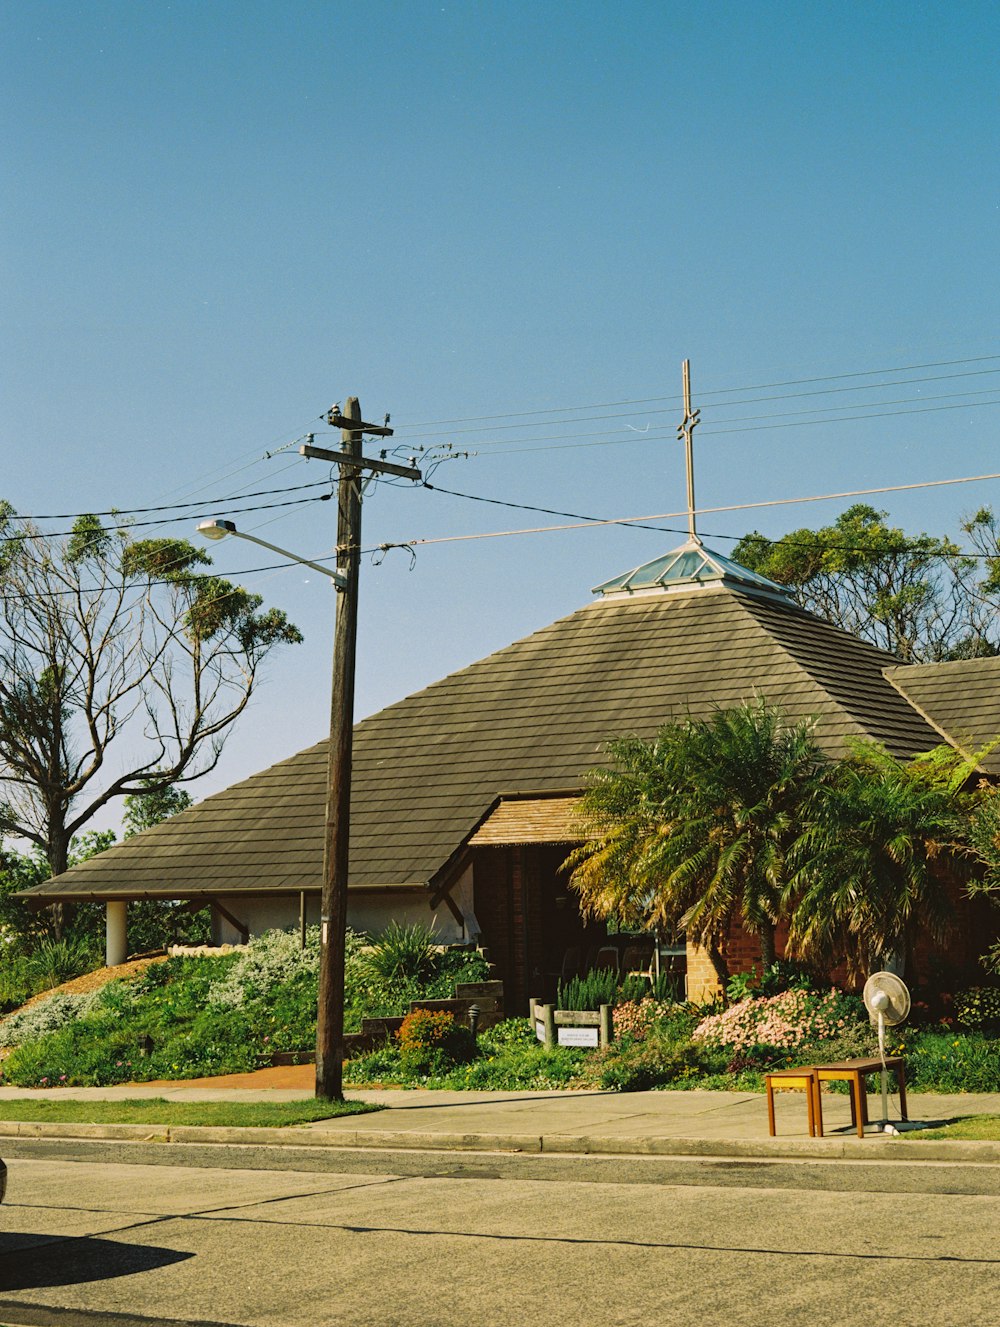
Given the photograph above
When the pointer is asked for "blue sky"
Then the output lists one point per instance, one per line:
(222, 217)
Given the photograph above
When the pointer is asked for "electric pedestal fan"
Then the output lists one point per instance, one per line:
(888, 1002)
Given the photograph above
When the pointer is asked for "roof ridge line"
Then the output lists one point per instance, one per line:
(951, 739)
(811, 675)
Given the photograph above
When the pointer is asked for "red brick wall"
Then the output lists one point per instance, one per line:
(948, 967)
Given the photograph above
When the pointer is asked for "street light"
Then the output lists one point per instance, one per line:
(333, 908)
(353, 465)
(218, 529)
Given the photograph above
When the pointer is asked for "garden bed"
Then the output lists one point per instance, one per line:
(191, 1018)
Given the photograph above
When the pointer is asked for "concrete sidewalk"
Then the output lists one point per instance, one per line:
(639, 1123)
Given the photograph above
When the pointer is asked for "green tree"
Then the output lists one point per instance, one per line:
(153, 923)
(693, 829)
(984, 836)
(917, 597)
(113, 645)
(20, 870)
(872, 866)
(143, 810)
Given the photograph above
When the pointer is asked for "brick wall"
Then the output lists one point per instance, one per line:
(941, 968)
(702, 983)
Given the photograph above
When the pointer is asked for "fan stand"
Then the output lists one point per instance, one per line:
(884, 1126)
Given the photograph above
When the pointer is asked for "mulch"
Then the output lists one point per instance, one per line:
(93, 981)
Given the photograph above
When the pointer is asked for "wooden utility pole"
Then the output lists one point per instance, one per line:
(336, 850)
(685, 432)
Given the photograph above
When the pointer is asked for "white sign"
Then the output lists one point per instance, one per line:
(578, 1036)
(539, 1029)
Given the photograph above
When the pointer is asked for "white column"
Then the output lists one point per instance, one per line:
(116, 932)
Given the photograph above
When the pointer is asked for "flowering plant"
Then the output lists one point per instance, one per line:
(787, 1021)
(637, 1018)
(978, 1007)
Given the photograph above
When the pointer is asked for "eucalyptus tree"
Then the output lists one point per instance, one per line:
(919, 597)
(123, 666)
(693, 829)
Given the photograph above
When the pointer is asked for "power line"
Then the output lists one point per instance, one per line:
(660, 431)
(722, 391)
(587, 522)
(754, 400)
(583, 522)
(221, 473)
(908, 546)
(170, 506)
(30, 535)
(710, 431)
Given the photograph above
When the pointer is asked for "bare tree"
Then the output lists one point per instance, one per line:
(122, 669)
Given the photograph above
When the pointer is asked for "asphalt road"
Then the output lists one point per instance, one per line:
(499, 1240)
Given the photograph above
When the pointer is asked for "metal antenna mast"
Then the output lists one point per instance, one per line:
(685, 431)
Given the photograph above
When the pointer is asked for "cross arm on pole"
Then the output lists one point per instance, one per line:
(360, 462)
(339, 421)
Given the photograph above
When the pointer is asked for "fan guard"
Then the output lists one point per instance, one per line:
(894, 990)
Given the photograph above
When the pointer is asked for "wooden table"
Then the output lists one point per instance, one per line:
(802, 1080)
(853, 1072)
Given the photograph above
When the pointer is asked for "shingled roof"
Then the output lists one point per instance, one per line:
(961, 699)
(530, 719)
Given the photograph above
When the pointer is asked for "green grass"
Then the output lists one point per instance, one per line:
(156, 1110)
(979, 1128)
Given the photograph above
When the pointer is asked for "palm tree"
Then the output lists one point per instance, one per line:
(984, 837)
(694, 828)
(872, 866)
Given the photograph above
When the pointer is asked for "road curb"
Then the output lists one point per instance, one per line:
(877, 1148)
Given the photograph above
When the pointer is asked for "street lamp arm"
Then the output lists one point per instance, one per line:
(218, 529)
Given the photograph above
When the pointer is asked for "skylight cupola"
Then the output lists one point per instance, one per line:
(691, 567)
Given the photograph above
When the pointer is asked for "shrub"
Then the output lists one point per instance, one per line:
(944, 1062)
(432, 1041)
(634, 988)
(511, 1034)
(269, 960)
(211, 1014)
(626, 1070)
(403, 953)
(509, 1059)
(635, 1019)
(378, 1066)
(781, 975)
(667, 988)
(56, 961)
(662, 1059)
(528, 1067)
(978, 1007)
(461, 964)
(15, 980)
(45, 1016)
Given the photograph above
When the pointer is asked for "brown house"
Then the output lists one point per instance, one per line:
(464, 792)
